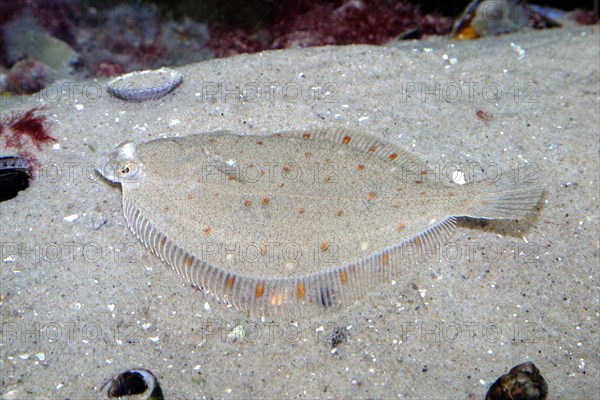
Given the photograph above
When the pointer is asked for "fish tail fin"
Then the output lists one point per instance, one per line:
(505, 198)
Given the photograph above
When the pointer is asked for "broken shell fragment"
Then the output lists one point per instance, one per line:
(523, 382)
(145, 85)
(138, 384)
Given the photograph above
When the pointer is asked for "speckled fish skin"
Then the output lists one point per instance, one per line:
(296, 222)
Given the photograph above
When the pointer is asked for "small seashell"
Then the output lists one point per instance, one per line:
(496, 17)
(523, 382)
(339, 335)
(145, 85)
(13, 177)
(133, 384)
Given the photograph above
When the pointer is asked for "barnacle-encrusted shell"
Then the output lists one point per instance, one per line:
(145, 85)
(523, 382)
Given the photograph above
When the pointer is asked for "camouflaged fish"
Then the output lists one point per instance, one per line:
(295, 222)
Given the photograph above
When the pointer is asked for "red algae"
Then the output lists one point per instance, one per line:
(19, 130)
(585, 17)
(33, 126)
(349, 22)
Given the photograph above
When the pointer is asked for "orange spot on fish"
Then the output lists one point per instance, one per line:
(324, 246)
(371, 196)
(339, 213)
(259, 143)
(247, 203)
(417, 241)
(300, 290)
(327, 179)
(400, 227)
(346, 139)
(166, 209)
(260, 289)
(207, 231)
(301, 210)
(386, 259)
(229, 281)
(372, 149)
(360, 167)
(343, 277)
(278, 298)
(287, 168)
(423, 172)
(306, 135)
(189, 261)
(308, 155)
(266, 201)
(393, 156)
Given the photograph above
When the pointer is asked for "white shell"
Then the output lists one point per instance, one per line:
(145, 85)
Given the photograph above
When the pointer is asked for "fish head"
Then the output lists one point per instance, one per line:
(121, 165)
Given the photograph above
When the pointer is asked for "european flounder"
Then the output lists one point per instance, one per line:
(295, 222)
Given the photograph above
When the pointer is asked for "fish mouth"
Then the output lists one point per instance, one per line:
(103, 168)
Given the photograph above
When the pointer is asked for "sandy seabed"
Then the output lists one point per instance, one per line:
(82, 300)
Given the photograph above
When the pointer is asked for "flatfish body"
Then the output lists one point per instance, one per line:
(295, 222)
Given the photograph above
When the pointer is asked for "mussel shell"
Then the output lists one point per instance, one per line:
(139, 384)
(13, 177)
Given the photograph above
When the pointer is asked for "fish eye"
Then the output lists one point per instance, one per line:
(126, 169)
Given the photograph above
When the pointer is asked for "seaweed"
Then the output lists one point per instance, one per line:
(20, 129)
